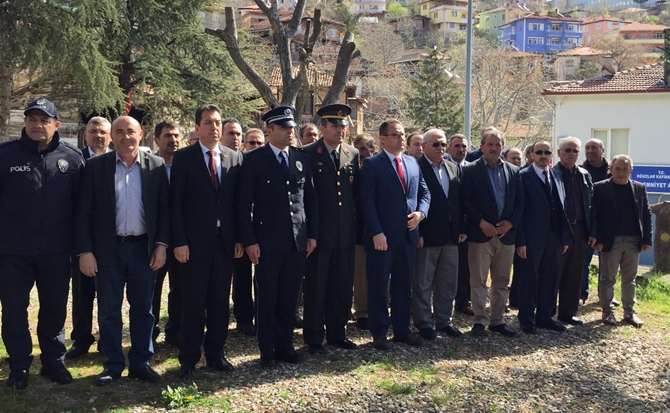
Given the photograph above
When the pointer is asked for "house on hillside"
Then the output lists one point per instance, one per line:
(491, 20)
(650, 36)
(545, 34)
(568, 63)
(594, 27)
(448, 18)
(370, 6)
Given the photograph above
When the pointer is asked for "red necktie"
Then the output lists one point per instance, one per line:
(212, 170)
(401, 174)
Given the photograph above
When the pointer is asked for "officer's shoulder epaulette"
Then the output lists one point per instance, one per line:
(70, 147)
(308, 146)
(298, 149)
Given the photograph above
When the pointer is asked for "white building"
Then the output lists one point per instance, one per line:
(370, 6)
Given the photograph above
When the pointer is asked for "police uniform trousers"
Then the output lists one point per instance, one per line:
(18, 275)
(173, 269)
(243, 302)
(278, 278)
(329, 280)
(83, 296)
(206, 291)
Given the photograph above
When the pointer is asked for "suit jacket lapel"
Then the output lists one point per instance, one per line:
(110, 176)
(429, 175)
(483, 170)
(201, 163)
(391, 168)
(144, 173)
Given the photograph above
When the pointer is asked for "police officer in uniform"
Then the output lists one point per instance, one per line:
(329, 274)
(276, 181)
(39, 178)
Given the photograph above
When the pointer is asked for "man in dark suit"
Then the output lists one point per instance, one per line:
(457, 150)
(122, 234)
(493, 205)
(578, 198)
(542, 235)
(329, 274)
(395, 200)
(204, 238)
(276, 185)
(98, 137)
(620, 230)
(436, 264)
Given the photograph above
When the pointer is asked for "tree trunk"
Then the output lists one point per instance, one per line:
(6, 82)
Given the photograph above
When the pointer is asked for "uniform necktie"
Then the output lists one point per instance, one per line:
(333, 154)
(282, 163)
(401, 174)
(212, 170)
(546, 179)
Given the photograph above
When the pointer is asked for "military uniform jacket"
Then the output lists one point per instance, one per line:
(336, 192)
(285, 211)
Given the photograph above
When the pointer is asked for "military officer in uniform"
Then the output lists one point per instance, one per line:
(276, 181)
(329, 274)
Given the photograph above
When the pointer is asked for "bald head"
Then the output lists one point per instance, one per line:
(126, 135)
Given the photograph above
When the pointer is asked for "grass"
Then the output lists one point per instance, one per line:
(392, 388)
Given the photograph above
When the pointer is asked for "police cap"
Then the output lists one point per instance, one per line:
(42, 105)
(337, 113)
(281, 115)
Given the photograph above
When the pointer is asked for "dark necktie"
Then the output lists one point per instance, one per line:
(336, 159)
(212, 170)
(282, 163)
(401, 174)
(546, 179)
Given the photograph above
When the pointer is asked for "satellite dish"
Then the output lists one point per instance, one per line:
(608, 64)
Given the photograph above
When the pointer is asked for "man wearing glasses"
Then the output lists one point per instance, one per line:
(542, 235)
(578, 198)
(253, 139)
(394, 202)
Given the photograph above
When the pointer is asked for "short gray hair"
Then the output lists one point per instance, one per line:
(457, 136)
(98, 120)
(567, 139)
(622, 157)
(528, 149)
(491, 131)
(434, 131)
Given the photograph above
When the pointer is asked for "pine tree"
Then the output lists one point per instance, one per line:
(436, 100)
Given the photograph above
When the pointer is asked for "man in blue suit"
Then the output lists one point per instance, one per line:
(544, 233)
(394, 202)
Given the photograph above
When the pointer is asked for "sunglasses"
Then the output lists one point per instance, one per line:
(438, 144)
(570, 150)
(540, 153)
(254, 143)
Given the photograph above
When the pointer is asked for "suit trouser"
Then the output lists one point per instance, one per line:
(463, 292)
(497, 257)
(514, 287)
(243, 301)
(570, 273)
(278, 278)
(206, 291)
(586, 272)
(173, 269)
(329, 278)
(538, 281)
(397, 261)
(436, 274)
(83, 295)
(360, 302)
(130, 269)
(623, 256)
(18, 274)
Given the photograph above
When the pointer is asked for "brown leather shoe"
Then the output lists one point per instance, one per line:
(380, 342)
(633, 320)
(408, 338)
(609, 319)
(467, 310)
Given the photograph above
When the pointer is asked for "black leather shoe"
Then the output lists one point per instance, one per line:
(297, 321)
(173, 340)
(77, 350)
(268, 360)
(106, 377)
(503, 329)
(478, 330)
(186, 373)
(57, 373)
(408, 338)
(345, 344)
(615, 302)
(145, 374)
(451, 331)
(247, 329)
(572, 321)
(17, 380)
(551, 325)
(315, 349)
(362, 323)
(529, 328)
(380, 342)
(289, 356)
(428, 333)
(220, 364)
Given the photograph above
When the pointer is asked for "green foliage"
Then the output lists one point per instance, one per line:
(436, 100)
(342, 12)
(177, 397)
(393, 388)
(395, 10)
(653, 288)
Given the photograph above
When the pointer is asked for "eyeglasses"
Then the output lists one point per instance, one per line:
(438, 144)
(570, 150)
(540, 153)
(396, 135)
(254, 143)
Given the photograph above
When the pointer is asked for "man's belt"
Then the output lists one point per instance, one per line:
(127, 239)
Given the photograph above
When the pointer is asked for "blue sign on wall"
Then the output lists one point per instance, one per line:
(655, 178)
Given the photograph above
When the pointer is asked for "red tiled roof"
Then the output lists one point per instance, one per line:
(601, 18)
(582, 51)
(638, 27)
(542, 16)
(643, 79)
(315, 77)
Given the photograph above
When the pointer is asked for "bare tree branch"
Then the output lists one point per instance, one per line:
(295, 19)
(346, 55)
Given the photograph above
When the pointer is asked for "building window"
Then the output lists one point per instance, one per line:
(572, 27)
(609, 25)
(555, 27)
(503, 17)
(615, 140)
(452, 25)
(536, 40)
(487, 30)
(597, 26)
(569, 63)
(462, 27)
(554, 41)
(487, 19)
(464, 16)
(435, 15)
(536, 26)
(424, 7)
(572, 40)
(333, 33)
(643, 36)
(657, 35)
(454, 13)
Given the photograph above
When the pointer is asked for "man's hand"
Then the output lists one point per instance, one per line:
(592, 241)
(254, 253)
(239, 250)
(88, 265)
(646, 247)
(181, 253)
(502, 227)
(158, 257)
(379, 242)
(420, 244)
(487, 228)
(598, 246)
(414, 219)
(564, 249)
(311, 245)
(521, 252)
(462, 238)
